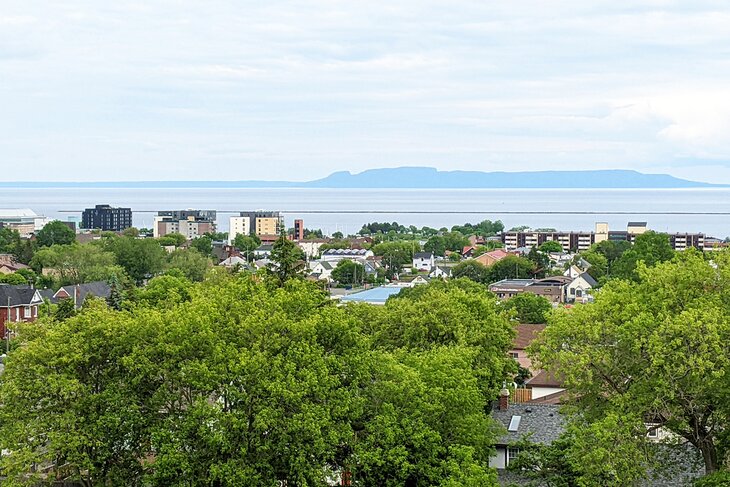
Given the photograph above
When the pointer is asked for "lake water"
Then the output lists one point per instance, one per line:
(358, 206)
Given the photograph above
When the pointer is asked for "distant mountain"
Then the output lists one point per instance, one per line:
(428, 177)
(418, 177)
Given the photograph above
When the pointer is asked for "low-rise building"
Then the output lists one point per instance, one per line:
(423, 261)
(17, 304)
(23, 220)
(336, 255)
(190, 223)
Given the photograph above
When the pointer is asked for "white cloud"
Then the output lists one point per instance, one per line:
(297, 89)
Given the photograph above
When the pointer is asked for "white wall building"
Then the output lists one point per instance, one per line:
(238, 225)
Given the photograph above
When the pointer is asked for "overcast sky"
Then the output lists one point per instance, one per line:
(231, 90)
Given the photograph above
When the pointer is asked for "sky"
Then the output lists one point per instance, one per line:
(295, 90)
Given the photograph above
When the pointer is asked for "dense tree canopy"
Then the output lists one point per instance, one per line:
(652, 351)
(348, 273)
(55, 233)
(484, 228)
(529, 308)
(239, 380)
(649, 248)
(74, 264)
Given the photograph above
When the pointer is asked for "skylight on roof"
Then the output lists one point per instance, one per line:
(514, 423)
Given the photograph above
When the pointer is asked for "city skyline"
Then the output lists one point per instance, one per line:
(298, 90)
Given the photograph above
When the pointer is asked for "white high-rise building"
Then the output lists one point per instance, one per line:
(238, 225)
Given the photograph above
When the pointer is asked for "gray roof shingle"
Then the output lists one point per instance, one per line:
(542, 422)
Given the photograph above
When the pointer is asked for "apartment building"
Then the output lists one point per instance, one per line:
(580, 241)
(106, 218)
(261, 223)
(190, 223)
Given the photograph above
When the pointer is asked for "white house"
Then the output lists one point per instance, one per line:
(423, 261)
(440, 272)
(322, 270)
(579, 288)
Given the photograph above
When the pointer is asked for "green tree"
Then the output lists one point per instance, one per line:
(435, 245)
(654, 350)
(176, 239)
(203, 244)
(511, 267)
(76, 264)
(191, 263)
(55, 233)
(336, 235)
(116, 296)
(551, 246)
(349, 273)
(9, 240)
(396, 254)
(540, 262)
(650, 248)
(13, 279)
(529, 308)
(247, 244)
(140, 258)
(287, 260)
(471, 269)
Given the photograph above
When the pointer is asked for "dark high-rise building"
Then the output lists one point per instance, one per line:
(298, 229)
(107, 218)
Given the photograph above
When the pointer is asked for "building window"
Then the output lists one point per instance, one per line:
(653, 432)
(27, 312)
(512, 454)
(514, 355)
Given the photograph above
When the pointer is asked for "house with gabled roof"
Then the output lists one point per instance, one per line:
(18, 304)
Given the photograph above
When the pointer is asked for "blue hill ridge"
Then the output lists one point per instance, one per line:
(419, 177)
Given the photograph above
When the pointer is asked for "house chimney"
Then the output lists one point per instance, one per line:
(503, 399)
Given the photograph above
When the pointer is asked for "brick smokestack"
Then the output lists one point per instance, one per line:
(503, 399)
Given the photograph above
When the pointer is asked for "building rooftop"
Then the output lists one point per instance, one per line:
(512, 283)
(542, 422)
(377, 295)
(17, 214)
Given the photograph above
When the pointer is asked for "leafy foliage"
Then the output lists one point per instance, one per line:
(348, 272)
(234, 381)
(655, 348)
(55, 233)
(529, 308)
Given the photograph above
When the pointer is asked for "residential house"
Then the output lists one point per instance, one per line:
(540, 423)
(526, 334)
(467, 252)
(17, 303)
(423, 261)
(489, 258)
(78, 292)
(264, 251)
(234, 261)
(545, 383)
(9, 265)
(579, 289)
(440, 272)
(322, 270)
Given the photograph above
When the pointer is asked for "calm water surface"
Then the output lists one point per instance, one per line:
(490, 203)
